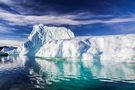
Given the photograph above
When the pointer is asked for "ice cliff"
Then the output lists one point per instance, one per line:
(50, 41)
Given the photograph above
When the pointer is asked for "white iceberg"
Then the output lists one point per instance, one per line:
(47, 41)
(42, 34)
(14, 52)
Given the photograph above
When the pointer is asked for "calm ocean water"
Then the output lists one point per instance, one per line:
(26, 73)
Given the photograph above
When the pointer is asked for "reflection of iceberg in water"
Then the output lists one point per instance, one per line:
(59, 70)
(115, 72)
(10, 62)
(12, 74)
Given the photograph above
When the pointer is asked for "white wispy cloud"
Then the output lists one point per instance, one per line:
(7, 2)
(76, 18)
(15, 43)
(6, 30)
(16, 19)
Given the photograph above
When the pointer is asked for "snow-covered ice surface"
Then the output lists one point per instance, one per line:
(46, 41)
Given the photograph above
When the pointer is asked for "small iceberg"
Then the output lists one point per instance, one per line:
(3, 53)
(9, 51)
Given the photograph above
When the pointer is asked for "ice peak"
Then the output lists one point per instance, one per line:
(42, 34)
(50, 33)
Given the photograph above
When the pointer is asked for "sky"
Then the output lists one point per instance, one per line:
(83, 17)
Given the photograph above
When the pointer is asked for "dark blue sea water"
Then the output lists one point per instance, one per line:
(27, 73)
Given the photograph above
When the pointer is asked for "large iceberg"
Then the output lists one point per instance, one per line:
(50, 41)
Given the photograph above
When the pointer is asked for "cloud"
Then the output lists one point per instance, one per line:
(5, 30)
(6, 2)
(24, 20)
(30, 12)
(13, 32)
(18, 16)
(42, 6)
(15, 43)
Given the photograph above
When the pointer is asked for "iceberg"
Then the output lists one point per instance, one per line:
(10, 51)
(14, 52)
(42, 34)
(60, 42)
(6, 50)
